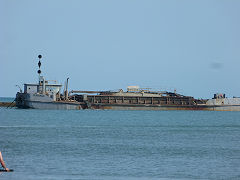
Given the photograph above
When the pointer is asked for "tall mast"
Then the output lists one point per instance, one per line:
(41, 78)
(39, 66)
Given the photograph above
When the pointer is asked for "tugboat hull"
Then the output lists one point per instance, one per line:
(24, 101)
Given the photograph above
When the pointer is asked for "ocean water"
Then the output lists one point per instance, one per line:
(105, 144)
(6, 99)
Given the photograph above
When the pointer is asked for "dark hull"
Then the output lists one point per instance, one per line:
(146, 107)
(24, 101)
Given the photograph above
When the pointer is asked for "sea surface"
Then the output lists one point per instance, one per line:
(6, 99)
(105, 144)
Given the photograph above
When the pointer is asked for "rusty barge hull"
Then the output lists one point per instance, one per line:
(166, 108)
(113, 101)
(144, 107)
(136, 101)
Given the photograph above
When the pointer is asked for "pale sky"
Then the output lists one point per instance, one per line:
(188, 45)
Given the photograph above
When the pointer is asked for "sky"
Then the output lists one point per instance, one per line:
(192, 46)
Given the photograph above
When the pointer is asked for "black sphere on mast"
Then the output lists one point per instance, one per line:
(39, 64)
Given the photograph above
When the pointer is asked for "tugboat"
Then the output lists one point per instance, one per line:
(45, 95)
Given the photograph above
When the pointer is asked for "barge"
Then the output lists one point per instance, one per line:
(46, 94)
(136, 99)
